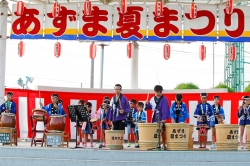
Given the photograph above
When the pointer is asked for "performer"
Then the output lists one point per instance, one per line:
(9, 106)
(218, 110)
(178, 111)
(105, 108)
(80, 135)
(129, 120)
(160, 107)
(244, 117)
(54, 107)
(87, 126)
(139, 117)
(120, 107)
(203, 113)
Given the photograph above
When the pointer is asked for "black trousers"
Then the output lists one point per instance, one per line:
(119, 125)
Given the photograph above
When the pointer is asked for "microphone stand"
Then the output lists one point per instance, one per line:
(77, 122)
(158, 132)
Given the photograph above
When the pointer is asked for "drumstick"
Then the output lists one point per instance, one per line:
(147, 97)
(120, 104)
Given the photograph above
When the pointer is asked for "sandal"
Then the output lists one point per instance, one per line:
(200, 147)
(242, 147)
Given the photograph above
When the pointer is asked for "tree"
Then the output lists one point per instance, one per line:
(247, 89)
(222, 85)
(189, 85)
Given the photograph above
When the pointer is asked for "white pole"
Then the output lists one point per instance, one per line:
(3, 42)
(101, 67)
(213, 64)
(134, 67)
(92, 73)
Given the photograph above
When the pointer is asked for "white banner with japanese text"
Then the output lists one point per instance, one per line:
(107, 23)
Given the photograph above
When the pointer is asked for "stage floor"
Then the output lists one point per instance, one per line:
(26, 144)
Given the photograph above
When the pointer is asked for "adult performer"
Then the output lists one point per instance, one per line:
(54, 107)
(160, 107)
(120, 107)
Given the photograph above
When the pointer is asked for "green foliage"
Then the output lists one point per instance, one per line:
(222, 85)
(189, 85)
(247, 89)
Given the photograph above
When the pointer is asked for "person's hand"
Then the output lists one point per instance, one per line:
(163, 121)
(96, 112)
(172, 120)
(146, 102)
(122, 111)
(199, 119)
(41, 104)
(7, 111)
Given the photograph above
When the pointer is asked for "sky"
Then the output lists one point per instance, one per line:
(72, 68)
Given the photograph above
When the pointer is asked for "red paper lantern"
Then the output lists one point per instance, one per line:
(21, 48)
(87, 8)
(57, 49)
(92, 51)
(202, 52)
(123, 6)
(130, 50)
(166, 51)
(193, 10)
(232, 53)
(19, 8)
(229, 6)
(158, 9)
(56, 10)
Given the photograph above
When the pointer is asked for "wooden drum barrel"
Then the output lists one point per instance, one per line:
(177, 136)
(190, 139)
(248, 136)
(57, 122)
(114, 139)
(148, 135)
(227, 136)
(8, 120)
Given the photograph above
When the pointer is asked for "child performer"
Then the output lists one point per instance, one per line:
(203, 113)
(80, 136)
(244, 116)
(54, 107)
(178, 111)
(9, 106)
(129, 120)
(87, 126)
(139, 117)
(218, 110)
(159, 104)
(105, 108)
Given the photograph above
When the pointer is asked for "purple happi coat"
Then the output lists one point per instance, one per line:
(163, 109)
(115, 114)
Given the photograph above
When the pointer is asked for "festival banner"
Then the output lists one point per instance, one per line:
(166, 27)
(234, 27)
(131, 25)
(64, 26)
(97, 26)
(203, 27)
(107, 23)
(29, 25)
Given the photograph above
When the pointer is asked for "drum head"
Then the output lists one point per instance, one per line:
(8, 114)
(93, 120)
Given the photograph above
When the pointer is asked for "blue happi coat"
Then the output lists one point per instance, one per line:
(179, 114)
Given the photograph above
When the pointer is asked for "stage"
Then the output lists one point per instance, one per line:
(24, 155)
